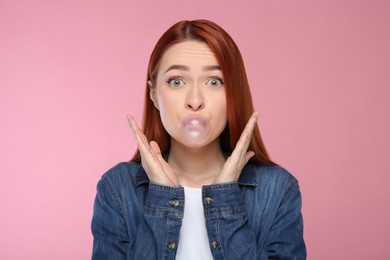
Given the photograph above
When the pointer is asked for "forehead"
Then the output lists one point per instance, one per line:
(190, 53)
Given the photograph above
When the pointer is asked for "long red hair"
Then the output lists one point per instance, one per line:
(238, 96)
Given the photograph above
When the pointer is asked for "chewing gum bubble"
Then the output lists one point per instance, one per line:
(194, 128)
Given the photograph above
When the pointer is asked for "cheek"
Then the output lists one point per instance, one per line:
(219, 112)
(168, 109)
(165, 101)
(219, 104)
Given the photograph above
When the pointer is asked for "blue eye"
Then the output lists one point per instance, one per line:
(175, 82)
(214, 82)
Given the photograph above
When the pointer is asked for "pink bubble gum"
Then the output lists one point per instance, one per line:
(194, 128)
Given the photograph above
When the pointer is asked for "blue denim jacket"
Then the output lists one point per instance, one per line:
(258, 217)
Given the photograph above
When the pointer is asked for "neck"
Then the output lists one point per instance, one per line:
(196, 167)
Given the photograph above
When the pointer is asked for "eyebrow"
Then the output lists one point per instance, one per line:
(186, 68)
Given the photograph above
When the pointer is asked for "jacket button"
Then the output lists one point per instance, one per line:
(214, 244)
(171, 245)
(174, 202)
(209, 200)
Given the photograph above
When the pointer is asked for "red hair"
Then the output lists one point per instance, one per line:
(238, 96)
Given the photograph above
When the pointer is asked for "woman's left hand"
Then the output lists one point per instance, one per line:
(240, 156)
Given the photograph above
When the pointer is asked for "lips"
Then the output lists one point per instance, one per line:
(194, 128)
(194, 122)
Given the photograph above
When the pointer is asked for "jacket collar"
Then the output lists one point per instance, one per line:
(247, 177)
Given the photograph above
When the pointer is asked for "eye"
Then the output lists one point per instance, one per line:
(215, 82)
(176, 82)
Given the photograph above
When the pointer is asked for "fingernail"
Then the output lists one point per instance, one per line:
(257, 115)
(129, 120)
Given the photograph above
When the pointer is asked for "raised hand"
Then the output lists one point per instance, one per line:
(240, 156)
(157, 169)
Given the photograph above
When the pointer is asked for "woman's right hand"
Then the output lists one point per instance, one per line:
(157, 169)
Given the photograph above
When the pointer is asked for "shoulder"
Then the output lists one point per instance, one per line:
(117, 189)
(122, 174)
(255, 174)
(272, 179)
(273, 174)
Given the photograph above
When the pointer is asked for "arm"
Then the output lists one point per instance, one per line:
(232, 236)
(285, 237)
(108, 225)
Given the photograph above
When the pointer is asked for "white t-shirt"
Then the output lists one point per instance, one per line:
(194, 242)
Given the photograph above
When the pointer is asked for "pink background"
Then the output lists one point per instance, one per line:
(70, 71)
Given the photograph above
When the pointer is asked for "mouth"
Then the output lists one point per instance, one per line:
(194, 123)
(194, 128)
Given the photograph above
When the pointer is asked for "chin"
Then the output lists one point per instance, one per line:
(198, 144)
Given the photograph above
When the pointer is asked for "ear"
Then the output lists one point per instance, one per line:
(152, 93)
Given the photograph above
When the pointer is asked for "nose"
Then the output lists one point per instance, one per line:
(195, 99)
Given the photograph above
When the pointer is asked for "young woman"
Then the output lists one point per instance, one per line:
(201, 184)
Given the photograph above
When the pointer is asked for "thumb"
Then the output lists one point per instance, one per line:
(155, 148)
(248, 156)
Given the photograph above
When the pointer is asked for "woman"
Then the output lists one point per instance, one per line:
(201, 184)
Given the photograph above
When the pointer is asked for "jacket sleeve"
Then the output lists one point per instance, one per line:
(285, 235)
(110, 239)
(232, 236)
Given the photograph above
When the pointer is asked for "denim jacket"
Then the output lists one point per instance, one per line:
(258, 217)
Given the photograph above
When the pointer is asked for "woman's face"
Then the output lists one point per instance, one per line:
(190, 94)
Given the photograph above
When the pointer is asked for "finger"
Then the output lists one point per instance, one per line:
(156, 153)
(148, 157)
(168, 171)
(252, 122)
(166, 168)
(155, 148)
(149, 160)
(139, 135)
(240, 165)
(151, 157)
(164, 165)
(143, 144)
(131, 122)
(248, 156)
(246, 136)
(133, 125)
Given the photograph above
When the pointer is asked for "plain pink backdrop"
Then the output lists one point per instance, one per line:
(70, 71)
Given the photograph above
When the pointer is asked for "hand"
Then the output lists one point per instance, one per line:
(240, 156)
(157, 169)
